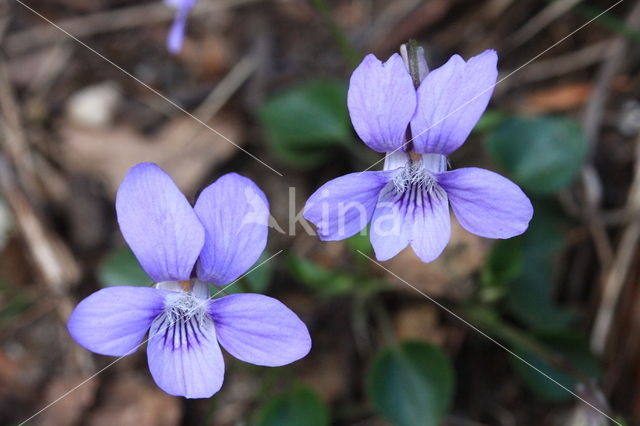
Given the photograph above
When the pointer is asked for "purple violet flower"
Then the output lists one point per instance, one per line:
(408, 201)
(182, 248)
(176, 33)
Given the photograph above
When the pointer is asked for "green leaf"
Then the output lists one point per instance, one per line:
(543, 155)
(323, 280)
(121, 267)
(12, 304)
(530, 296)
(304, 123)
(412, 384)
(14, 307)
(300, 406)
(258, 279)
(361, 242)
(489, 121)
(503, 266)
(573, 351)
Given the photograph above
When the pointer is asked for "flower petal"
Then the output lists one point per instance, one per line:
(177, 30)
(185, 358)
(451, 100)
(259, 329)
(114, 320)
(343, 206)
(431, 224)
(381, 101)
(486, 203)
(389, 233)
(235, 215)
(175, 36)
(158, 223)
(414, 216)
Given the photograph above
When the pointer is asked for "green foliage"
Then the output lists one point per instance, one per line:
(489, 121)
(543, 155)
(330, 282)
(259, 279)
(12, 304)
(299, 406)
(120, 267)
(573, 352)
(305, 122)
(324, 281)
(520, 270)
(360, 242)
(503, 266)
(14, 307)
(530, 295)
(412, 384)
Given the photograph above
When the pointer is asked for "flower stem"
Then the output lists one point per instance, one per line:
(338, 33)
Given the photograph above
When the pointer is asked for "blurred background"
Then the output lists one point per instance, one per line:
(272, 76)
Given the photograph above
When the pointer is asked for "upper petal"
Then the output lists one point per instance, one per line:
(343, 206)
(114, 320)
(259, 329)
(235, 215)
(158, 223)
(451, 100)
(185, 358)
(486, 203)
(381, 101)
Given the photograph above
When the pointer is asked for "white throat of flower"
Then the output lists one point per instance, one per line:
(416, 172)
(186, 301)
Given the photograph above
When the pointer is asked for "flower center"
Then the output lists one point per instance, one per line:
(186, 301)
(184, 307)
(414, 175)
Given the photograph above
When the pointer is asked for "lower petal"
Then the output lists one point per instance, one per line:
(114, 320)
(486, 203)
(259, 329)
(431, 224)
(185, 358)
(415, 216)
(344, 206)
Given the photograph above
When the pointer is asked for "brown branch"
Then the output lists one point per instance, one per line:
(19, 183)
(616, 271)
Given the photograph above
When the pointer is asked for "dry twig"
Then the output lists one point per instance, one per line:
(550, 13)
(616, 271)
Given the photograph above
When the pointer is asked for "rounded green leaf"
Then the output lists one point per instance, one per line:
(529, 296)
(304, 122)
(412, 384)
(121, 267)
(543, 155)
(300, 406)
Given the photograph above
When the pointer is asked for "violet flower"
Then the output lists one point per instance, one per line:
(183, 248)
(177, 30)
(408, 201)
